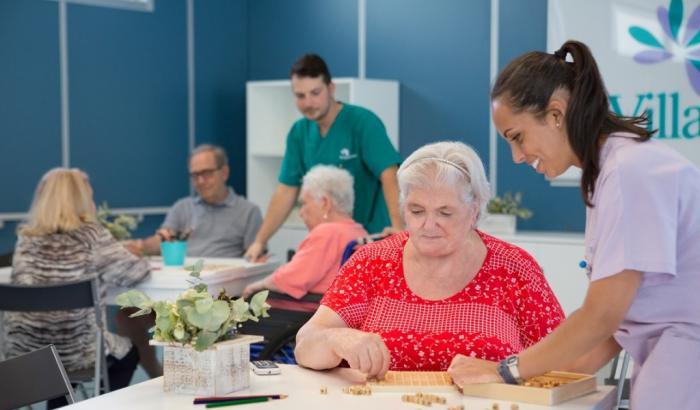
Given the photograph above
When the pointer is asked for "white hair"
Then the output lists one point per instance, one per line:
(451, 163)
(333, 182)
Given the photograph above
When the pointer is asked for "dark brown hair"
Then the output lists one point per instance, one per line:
(311, 65)
(529, 81)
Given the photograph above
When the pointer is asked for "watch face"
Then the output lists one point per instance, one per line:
(511, 360)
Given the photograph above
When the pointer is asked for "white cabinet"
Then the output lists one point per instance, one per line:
(270, 113)
(559, 255)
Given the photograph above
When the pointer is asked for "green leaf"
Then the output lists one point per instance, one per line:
(133, 298)
(509, 204)
(212, 319)
(179, 332)
(675, 17)
(142, 312)
(162, 307)
(645, 37)
(204, 340)
(203, 305)
(258, 304)
(181, 303)
(196, 269)
(165, 323)
(126, 221)
(240, 312)
(194, 294)
(120, 226)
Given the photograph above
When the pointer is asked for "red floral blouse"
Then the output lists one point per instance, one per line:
(507, 307)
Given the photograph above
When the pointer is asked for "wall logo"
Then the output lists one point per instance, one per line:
(688, 48)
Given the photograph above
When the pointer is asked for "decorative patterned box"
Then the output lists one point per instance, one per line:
(219, 370)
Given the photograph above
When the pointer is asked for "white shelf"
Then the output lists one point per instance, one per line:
(271, 110)
(270, 113)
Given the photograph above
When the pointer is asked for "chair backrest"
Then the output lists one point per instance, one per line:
(6, 259)
(43, 298)
(65, 296)
(355, 244)
(33, 377)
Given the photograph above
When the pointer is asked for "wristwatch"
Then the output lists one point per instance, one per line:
(508, 370)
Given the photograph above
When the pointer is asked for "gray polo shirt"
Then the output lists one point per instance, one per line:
(224, 230)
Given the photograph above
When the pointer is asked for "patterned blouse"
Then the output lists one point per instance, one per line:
(506, 307)
(90, 251)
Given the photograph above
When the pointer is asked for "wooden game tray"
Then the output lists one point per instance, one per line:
(572, 385)
(413, 381)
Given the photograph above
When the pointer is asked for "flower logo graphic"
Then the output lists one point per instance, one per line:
(688, 47)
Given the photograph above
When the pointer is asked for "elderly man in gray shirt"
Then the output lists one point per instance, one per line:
(218, 222)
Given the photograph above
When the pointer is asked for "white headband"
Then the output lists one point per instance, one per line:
(444, 161)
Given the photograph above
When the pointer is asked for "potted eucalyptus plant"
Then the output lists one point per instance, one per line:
(120, 226)
(202, 352)
(502, 214)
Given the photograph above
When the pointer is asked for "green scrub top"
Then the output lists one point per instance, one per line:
(357, 141)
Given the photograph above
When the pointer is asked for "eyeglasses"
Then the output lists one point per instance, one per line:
(205, 173)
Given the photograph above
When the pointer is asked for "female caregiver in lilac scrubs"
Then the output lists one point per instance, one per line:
(642, 232)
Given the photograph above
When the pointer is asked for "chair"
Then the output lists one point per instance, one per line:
(355, 244)
(6, 259)
(66, 296)
(288, 315)
(618, 378)
(33, 377)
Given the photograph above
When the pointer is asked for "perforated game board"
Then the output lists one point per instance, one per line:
(413, 381)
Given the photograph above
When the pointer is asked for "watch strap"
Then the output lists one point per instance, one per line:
(504, 372)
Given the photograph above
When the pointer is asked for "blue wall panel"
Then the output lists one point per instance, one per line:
(221, 61)
(128, 102)
(438, 51)
(30, 115)
(281, 31)
(523, 28)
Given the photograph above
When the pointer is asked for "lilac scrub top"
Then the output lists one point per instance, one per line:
(646, 217)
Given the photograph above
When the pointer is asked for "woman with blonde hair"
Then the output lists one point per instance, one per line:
(63, 242)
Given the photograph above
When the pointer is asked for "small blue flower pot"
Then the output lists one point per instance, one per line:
(173, 253)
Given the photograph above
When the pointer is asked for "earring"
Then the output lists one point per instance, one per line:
(325, 216)
(558, 125)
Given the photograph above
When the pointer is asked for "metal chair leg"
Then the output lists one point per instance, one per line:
(621, 382)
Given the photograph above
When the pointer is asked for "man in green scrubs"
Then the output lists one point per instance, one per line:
(339, 134)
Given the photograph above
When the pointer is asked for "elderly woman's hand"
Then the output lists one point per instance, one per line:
(469, 370)
(253, 288)
(136, 247)
(363, 351)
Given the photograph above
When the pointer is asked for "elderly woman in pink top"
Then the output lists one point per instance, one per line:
(642, 231)
(327, 198)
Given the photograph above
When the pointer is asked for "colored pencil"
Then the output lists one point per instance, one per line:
(237, 402)
(215, 399)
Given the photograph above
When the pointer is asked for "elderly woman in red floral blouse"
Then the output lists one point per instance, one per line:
(418, 298)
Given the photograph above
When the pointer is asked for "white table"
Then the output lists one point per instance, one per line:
(166, 282)
(232, 274)
(303, 387)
